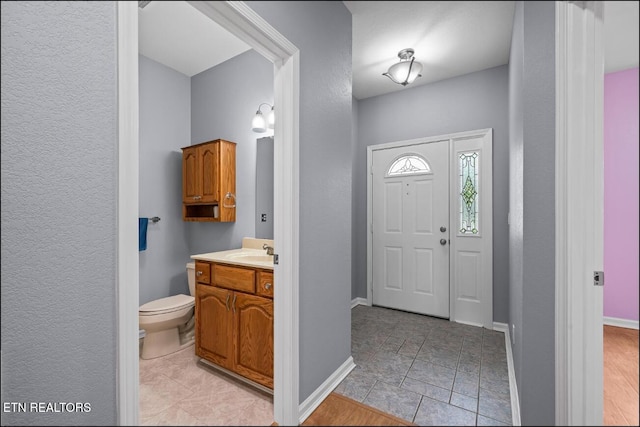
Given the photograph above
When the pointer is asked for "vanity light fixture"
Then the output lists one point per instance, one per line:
(259, 124)
(405, 71)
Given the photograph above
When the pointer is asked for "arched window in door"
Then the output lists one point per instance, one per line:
(409, 164)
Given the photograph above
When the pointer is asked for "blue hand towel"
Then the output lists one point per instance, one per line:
(142, 233)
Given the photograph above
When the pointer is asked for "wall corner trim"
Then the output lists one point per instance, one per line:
(358, 301)
(513, 386)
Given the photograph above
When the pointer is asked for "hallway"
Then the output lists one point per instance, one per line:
(427, 370)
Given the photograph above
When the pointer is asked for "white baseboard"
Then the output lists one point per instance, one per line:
(317, 397)
(462, 322)
(621, 323)
(502, 327)
(513, 387)
(358, 301)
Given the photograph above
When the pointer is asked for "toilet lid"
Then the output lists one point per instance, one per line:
(172, 303)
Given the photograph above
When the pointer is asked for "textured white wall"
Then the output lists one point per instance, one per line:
(59, 181)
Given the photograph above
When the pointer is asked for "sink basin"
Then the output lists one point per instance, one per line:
(251, 257)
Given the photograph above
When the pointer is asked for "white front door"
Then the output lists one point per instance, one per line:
(410, 213)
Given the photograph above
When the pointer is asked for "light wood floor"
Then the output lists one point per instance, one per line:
(620, 376)
(339, 410)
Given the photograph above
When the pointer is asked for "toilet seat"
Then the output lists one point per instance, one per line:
(166, 305)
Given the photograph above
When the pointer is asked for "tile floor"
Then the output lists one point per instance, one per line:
(177, 390)
(428, 370)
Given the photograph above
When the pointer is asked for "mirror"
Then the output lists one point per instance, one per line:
(264, 188)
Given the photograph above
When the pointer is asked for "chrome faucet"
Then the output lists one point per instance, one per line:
(268, 248)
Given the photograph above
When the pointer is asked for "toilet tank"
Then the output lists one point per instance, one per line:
(191, 275)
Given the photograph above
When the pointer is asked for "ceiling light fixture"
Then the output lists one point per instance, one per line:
(405, 71)
(259, 124)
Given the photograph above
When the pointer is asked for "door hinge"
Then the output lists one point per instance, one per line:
(598, 278)
(276, 259)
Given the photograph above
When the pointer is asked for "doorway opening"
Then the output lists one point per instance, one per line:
(244, 23)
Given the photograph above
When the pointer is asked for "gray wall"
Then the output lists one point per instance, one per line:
(176, 111)
(264, 188)
(224, 99)
(322, 32)
(358, 253)
(532, 204)
(59, 194)
(474, 101)
(165, 127)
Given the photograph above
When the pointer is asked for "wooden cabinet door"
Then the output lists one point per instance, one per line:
(191, 178)
(210, 172)
(214, 325)
(253, 329)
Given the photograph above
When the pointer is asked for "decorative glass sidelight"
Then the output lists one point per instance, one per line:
(469, 167)
(409, 165)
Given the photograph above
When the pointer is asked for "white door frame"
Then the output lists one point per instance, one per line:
(243, 22)
(579, 206)
(487, 212)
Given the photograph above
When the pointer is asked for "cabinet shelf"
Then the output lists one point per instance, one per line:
(200, 212)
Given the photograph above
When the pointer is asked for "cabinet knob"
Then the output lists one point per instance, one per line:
(197, 197)
(199, 273)
(267, 285)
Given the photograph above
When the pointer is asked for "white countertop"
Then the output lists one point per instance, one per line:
(249, 255)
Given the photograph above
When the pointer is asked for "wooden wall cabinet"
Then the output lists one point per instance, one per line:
(209, 181)
(234, 321)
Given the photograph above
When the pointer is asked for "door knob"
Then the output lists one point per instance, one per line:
(443, 242)
(443, 228)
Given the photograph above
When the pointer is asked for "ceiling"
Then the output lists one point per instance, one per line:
(450, 38)
(179, 36)
(621, 34)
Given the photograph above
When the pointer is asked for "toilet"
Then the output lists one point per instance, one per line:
(168, 323)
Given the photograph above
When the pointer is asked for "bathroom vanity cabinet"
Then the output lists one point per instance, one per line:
(234, 319)
(209, 181)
